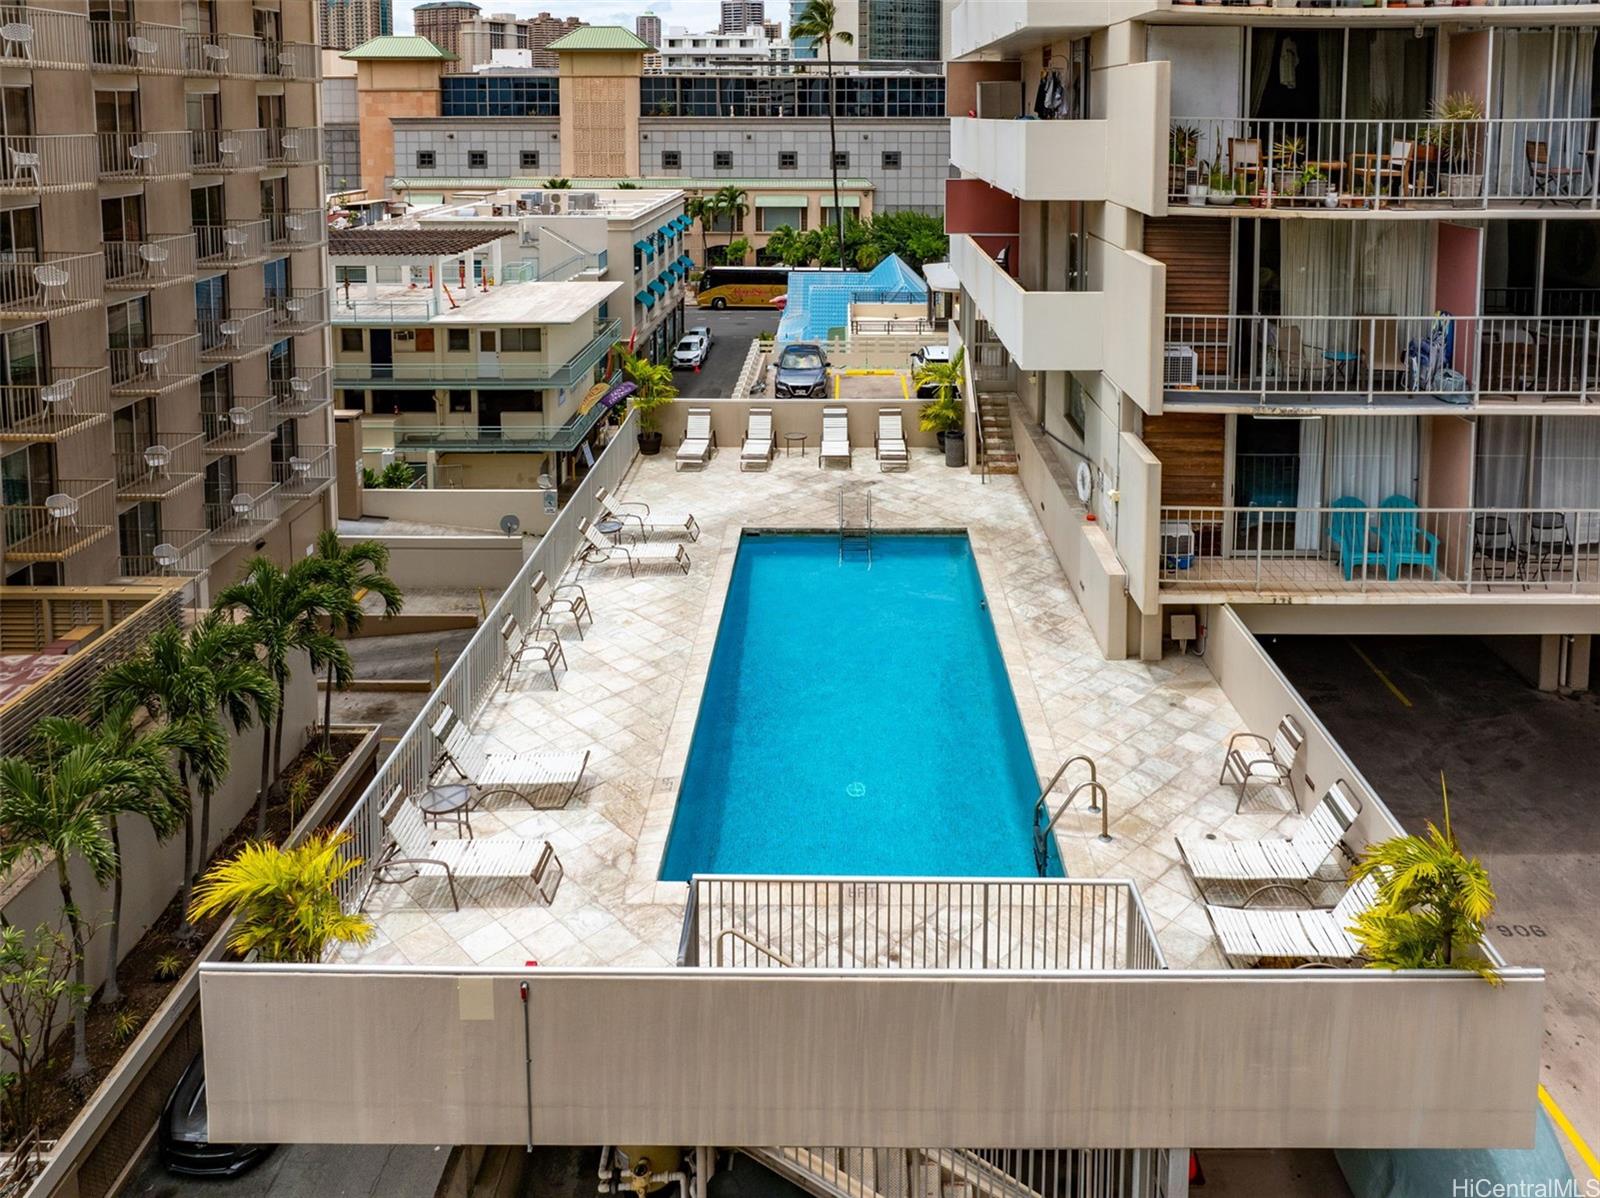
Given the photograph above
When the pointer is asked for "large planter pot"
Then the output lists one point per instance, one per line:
(649, 444)
(955, 448)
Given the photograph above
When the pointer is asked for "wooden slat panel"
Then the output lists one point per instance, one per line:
(1190, 446)
(1197, 253)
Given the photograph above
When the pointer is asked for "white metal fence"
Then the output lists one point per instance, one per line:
(983, 1172)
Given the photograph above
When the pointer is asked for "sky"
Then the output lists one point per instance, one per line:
(695, 15)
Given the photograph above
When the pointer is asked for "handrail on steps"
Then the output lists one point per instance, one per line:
(1098, 802)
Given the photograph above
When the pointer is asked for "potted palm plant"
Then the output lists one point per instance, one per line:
(944, 414)
(655, 391)
(1457, 131)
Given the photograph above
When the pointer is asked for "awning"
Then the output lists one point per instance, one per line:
(686, 262)
(645, 248)
(670, 274)
(665, 231)
(780, 201)
(683, 223)
(844, 201)
(645, 298)
(658, 287)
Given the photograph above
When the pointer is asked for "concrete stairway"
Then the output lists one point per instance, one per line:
(994, 410)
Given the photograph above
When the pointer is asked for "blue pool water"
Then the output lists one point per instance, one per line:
(856, 721)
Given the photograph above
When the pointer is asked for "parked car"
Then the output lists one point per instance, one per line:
(802, 371)
(691, 352)
(929, 353)
(703, 330)
(182, 1134)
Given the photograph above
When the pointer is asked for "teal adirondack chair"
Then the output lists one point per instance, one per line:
(1348, 530)
(1402, 541)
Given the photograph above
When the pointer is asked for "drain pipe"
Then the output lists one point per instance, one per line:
(527, 1057)
(703, 1158)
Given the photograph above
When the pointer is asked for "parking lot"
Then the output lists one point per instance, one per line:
(731, 334)
(1522, 767)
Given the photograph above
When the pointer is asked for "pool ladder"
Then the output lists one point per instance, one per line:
(1097, 804)
(855, 525)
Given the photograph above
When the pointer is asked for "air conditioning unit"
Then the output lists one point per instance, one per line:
(582, 201)
(1180, 367)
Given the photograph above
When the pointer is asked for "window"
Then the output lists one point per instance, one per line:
(222, 484)
(458, 341)
(788, 160)
(460, 401)
(530, 160)
(770, 218)
(722, 160)
(841, 160)
(521, 341)
(891, 160)
(1076, 409)
(425, 160)
(671, 160)
(351, 341)
(477, 160)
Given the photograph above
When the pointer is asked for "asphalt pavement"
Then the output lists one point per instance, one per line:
(731, 334)
(308, 1171)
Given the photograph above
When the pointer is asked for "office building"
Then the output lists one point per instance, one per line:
(899, 30)
(440, 21)
(348, 23)
(748, 50)
(648, 28)
(739, 15)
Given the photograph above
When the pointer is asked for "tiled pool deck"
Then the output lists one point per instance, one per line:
(1157, 730)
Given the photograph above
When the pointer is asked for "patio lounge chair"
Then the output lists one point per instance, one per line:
(1263, 760)
(616, 509)
(504, 858)
(835, 436)
(1402, 541)
(1257, 863)
(1350, 530)
(532, 777)
(1245, 934)
(548, 600)
(601, 548)
(520, 645)
(699, 441)
(757, 447)
(890, 443)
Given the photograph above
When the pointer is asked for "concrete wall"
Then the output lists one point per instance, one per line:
(731, 417)
(465, 561)
(461, 508)
(1207, 67)
(1137, 98)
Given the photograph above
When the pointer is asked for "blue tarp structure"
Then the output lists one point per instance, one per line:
(819, 300)
(1430, 1172)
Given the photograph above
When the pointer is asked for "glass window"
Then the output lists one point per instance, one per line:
(891, 160)
(671, 160)
(478, 159)
(458, 341)
(460, 401)
(352, 341)
(722, 160)
(529, 160)
(521, 341)
(425, 160)
(841, 160)
(1076, 407)
(788, 160)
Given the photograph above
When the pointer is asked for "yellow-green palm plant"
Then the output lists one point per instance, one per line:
(285, 902)
(1433, 901)
(654, 382)
(943, 413)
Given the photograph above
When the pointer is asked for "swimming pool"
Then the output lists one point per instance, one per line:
(856, 720)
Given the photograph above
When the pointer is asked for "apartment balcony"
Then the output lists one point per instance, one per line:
(164, 362)
(232, 243)
(32, 165)
(159, 470)
(243, 426)
(308, 472)
(71, 519)
(291, 147)
(254, 508)
(577, 371)
(296, 228)
(76, 399)
(1394, 362)
(1042, 330)
(240, 56)
(1362, 553)
(223, 151)
(150, 262)
(144, 156)
(46, 285)
(506, 437)
(236, 336)
(181, 553)
(300, 310)
(292, 61)
(307, 393)
(136, 46)
(1034, 160)
(1000, 27)
(43, 39)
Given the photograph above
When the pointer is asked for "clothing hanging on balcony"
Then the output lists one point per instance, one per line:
(1288, 63)
(1051, 97)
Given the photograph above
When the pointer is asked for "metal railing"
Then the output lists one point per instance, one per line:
(241, 56)
(136, 46)
(917, 923)
(291, 60)
(160, 155)
(220, 151)
(190, 556)
(42, 37)
(474, 675)
(254, 508)
(294, 228)
(574, 371)
(149, 262)
(982, 1172)
(51, 284)
(307, 472)
(306, 392)
(165, 361)
(236, 335)
(243, 425)
(75, 398)
(297, 310)
(31, 164)
(1336, 549)
(498, 438)
(291, 147)
(233, 242)
(350, 309)
(38, 532)
(155, 471)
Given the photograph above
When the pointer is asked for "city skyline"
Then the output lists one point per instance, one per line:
(695, 15)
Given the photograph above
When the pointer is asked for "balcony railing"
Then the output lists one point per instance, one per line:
(303, 394)
(1367, 359)
(576, 370)
(150, 262)
(160, 155)
(45, 285)
(351, 309)
(220, 151)
(1395, 164)
(76, 398)
(254, 508)
(232, 243)
(241, 426)
(165, 362)
(181, 553)
(291, 147)
(77, 514)
(40, 37)
(498, 438)
(307, 472)
(35, 165)
(1339, 549)
(163, 468)
(296, 227)
(136, 46)
(235, 336)
(299, 61)
(299, 310)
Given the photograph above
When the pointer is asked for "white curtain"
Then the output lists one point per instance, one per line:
(1372, 457)
(1346, 268)
(1502, 465)
(1545, 77)
(1565, 474)
(1308, 493)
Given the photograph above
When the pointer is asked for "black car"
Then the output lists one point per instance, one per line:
(183, 1144)
(802, 373)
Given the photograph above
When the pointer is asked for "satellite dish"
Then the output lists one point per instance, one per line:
(1085, 482)
(510, 525)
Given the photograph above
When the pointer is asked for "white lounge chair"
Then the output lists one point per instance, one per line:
(1258, 759)
(548, 600)
(532, 777)
(528, 645)
(835, 436)
(1254, 863)
(412, 854)
(674, 525)
(601, 548)
(757, 447)
(699, 440)
(1247, 935)
(889, 446)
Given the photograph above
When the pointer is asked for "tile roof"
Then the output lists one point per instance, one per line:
(406, 243)
(399, 48)
(600, 37)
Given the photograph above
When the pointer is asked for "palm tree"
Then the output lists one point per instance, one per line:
(817, 21)
(191, 680)
(60, 807)
(704, 210)
(282, 612)
(943, 413)
(731, 202)
(285, 901)
(165, 807)
(349, 571)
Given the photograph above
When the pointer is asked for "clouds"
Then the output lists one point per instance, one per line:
(696, 15)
